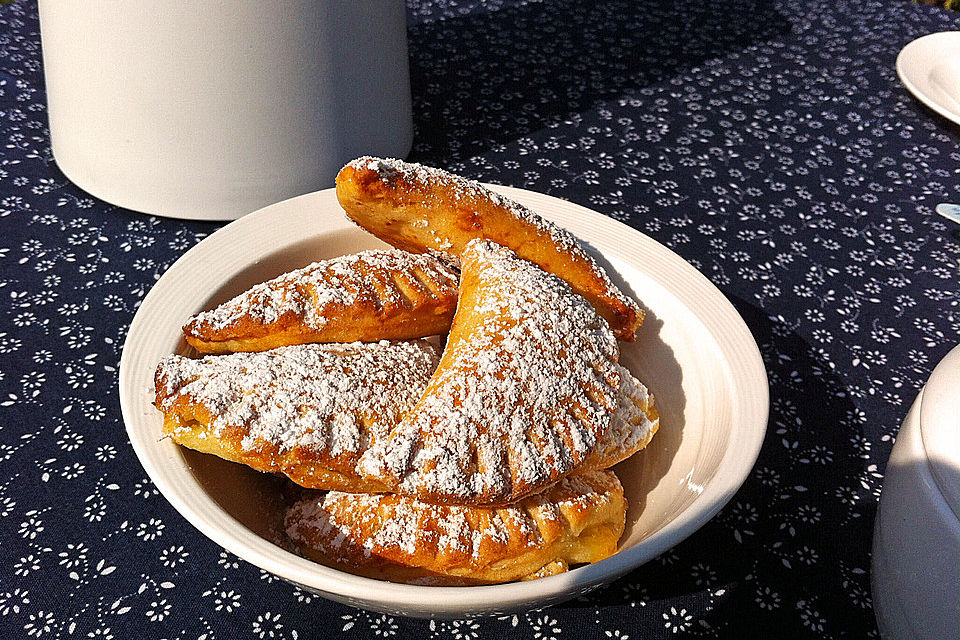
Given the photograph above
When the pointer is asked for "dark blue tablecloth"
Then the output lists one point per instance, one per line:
(768, 143)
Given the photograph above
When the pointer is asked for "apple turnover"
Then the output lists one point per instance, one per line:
(420, 208)
(307, 411)
(401, 539)
(368, 296)
(526, 387)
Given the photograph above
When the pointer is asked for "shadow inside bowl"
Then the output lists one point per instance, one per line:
(652, 361)
(256, 500)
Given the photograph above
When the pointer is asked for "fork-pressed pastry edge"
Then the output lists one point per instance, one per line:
(368, 296)
(307, 411)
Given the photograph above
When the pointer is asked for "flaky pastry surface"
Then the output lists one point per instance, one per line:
(526, 386)
(420, 208)
(368, 296)
(401, 539)
(633, 425)
(307, 411)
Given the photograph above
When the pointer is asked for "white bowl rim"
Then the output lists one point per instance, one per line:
(749, 392)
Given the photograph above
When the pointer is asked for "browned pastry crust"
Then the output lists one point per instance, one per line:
(526, 387)
(368, 296)
(307, 411)
(400, 539)
(420, 208)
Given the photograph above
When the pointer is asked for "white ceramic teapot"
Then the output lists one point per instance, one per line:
(916, 539)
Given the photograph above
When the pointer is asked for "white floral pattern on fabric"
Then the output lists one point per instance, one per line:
(768, 142)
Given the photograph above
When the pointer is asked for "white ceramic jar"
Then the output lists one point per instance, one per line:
(213, 109)
(916, 539)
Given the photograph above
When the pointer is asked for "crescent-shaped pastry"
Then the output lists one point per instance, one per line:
(420, 208)
(307, 411)
(368, 296)
(527, 384)
(631, 428)
(401, 539)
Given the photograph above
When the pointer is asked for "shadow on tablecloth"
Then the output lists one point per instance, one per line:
(819, 539)
(492, 73)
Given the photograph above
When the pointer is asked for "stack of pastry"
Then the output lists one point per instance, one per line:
(485, 460)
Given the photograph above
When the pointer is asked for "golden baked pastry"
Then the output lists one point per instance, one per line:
(307, 411)
(368, 296)
(401, 539)
(526, 386)
(632, 427)
(420, 208)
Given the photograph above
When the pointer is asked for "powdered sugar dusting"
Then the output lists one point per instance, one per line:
(331, 398)
(631, 425)
(521, 397)
(630, 428)
(406, 525)
(312, 292)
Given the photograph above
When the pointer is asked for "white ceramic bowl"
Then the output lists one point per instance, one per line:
(693, 351)
(915, 572)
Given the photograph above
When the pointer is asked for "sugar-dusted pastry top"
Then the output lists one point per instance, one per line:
(632, 427)
(421, 208)
(526, 386)
(392, 537)
(308, 411)
(368, 296)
